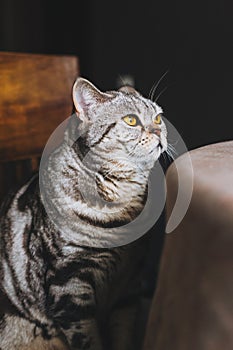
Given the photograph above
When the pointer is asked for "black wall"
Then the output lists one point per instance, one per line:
(143, 38)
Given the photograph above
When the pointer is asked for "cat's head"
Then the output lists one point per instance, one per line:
(120, 123)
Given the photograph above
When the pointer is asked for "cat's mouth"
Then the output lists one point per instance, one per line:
(160, 148)
(157, 149)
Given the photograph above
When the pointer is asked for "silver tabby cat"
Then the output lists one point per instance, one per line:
(64, 288)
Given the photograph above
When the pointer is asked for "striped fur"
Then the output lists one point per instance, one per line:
(60, 289)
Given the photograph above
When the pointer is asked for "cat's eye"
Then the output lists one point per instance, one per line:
(130, 120)
(158, 119)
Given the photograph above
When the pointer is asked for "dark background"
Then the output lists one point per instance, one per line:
(191, 39)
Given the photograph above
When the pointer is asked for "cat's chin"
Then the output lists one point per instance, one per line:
(155, 153)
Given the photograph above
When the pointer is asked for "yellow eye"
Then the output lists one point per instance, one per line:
(130, 120)
(157, 119)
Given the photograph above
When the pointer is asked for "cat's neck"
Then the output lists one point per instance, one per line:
(98, 197)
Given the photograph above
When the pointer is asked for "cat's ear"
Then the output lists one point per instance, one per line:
(85, 95)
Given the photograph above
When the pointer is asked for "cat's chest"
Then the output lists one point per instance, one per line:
(106, 274)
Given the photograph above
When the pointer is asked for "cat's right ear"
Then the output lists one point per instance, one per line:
(85, 95)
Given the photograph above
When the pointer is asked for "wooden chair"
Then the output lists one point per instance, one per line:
(35, 98)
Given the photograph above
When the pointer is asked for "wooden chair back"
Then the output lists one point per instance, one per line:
(35, 98)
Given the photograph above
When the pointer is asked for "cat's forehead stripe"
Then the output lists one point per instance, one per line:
(136, 106)
(141, 105)
(146, 103)
(148, 109)
(134, 100)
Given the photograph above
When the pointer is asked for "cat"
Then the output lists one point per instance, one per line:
(66, 282)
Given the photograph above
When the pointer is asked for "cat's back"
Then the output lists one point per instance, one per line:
(16, 218)
(19, 200)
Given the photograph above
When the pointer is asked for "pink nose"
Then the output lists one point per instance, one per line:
(154, 130)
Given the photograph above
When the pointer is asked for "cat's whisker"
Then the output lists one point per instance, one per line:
(168, 86)
(155, 86)
(151, 91)
(160, 93)
(172, 149)
(167, 156)
(170, 152)
(173, 142)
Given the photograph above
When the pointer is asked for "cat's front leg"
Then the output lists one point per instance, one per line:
(74, 316)
(83, 335)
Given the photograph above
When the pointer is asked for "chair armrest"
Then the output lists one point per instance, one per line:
(193, 303)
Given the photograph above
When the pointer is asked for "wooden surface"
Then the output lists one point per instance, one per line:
(35, 98)
(193, 305)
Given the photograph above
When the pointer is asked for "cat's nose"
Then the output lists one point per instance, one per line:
(154, 130)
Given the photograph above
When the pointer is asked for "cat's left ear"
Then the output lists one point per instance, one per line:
(85, 95)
